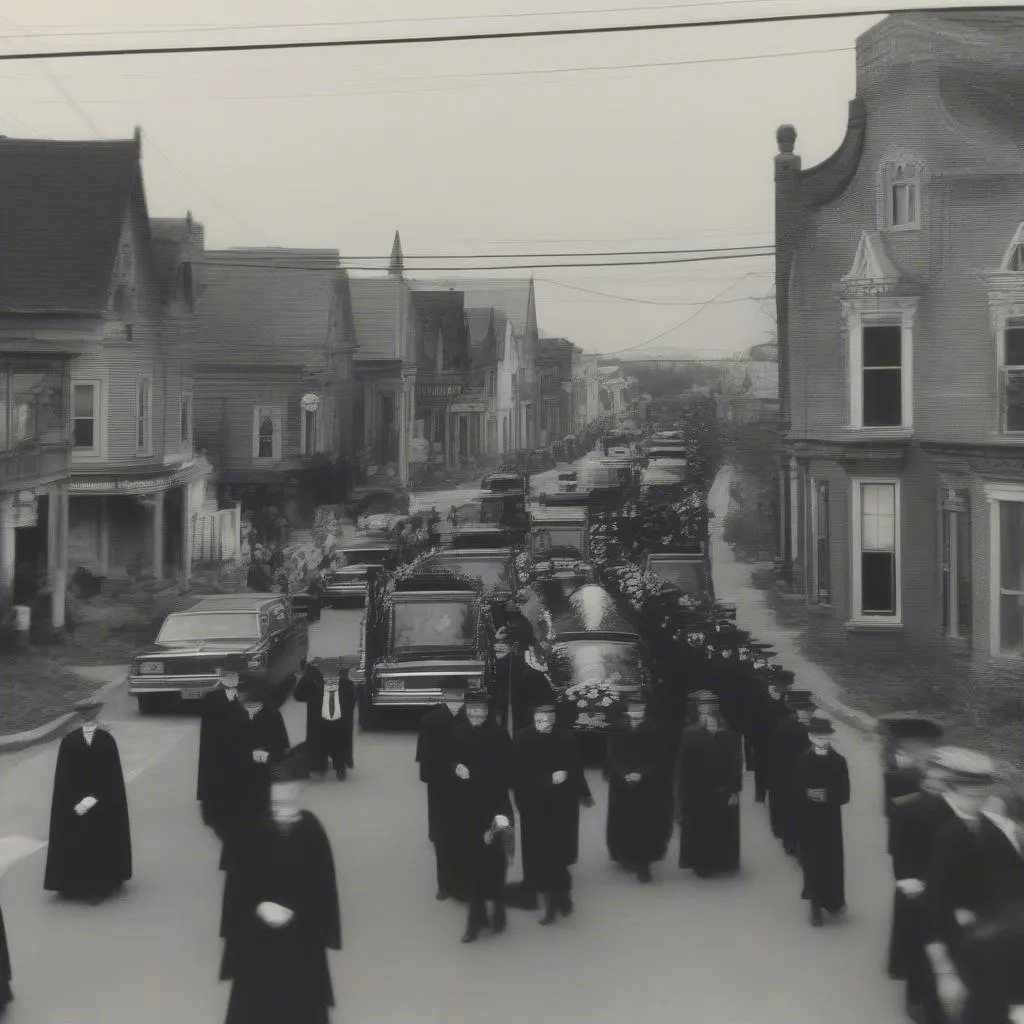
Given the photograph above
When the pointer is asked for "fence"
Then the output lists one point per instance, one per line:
(217, 535)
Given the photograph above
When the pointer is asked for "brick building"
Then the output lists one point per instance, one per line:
(900, 262)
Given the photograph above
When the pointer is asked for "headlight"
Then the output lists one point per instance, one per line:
(151, 668)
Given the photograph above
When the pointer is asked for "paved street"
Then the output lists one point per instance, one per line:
(725, 952)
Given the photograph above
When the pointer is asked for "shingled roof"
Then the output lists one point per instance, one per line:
(62, 210)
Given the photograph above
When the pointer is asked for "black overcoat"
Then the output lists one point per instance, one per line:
(789, 740)
(639, 825)
(6, 995)
(471, 804)
(90, 853)
(211, 712)
(433, 754)
(529, 689)
(322, 735)
(280, 974)
(245, 783)
(709, 770)
(549, 814)
(819, 826)
(766, 714)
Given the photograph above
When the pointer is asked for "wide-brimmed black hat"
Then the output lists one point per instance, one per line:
(779, 676)
(902, 725)
(478, 698)
(547, 708)
(818, 726)
(89, 706)
(253, 686)
(964, 767)
(800, 699)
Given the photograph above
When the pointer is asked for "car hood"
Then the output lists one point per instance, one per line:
(430, 666)
(196, 648)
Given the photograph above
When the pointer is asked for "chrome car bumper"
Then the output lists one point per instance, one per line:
(421, 697)
(189, 687)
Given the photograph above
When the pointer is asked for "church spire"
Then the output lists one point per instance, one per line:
(397, 267)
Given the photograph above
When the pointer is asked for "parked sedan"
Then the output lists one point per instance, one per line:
(185, 660)
(347, 578)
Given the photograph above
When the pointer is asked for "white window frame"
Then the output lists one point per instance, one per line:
(145, 448)
(815, 482)
(1003, 371)
(304, 439)
(888, 181)
(259, 412)
(951, 506)
(856, 541)
(99, 436)
(879, 312)
(187, 398)
(994, 494)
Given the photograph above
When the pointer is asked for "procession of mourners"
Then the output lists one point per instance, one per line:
(549, 633)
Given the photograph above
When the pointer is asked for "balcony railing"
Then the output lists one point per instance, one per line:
(23, 467)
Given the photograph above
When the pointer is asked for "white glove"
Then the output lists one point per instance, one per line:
(910, 886)
(1016, 1014)
(633, 777)
(559, 777)
(260, 756)
(87, 803)
(964, 917)
(462, 771)
(952, 994)
(500, 821)
(274, 915)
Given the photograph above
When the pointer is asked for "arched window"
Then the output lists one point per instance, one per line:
(266, 438)
(904, 197)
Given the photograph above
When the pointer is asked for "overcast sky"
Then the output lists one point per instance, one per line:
(469, 149)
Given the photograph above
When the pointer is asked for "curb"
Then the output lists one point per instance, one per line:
(58, 726)
(848, 716)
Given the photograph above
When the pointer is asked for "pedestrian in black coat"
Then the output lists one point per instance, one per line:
(530, 685)
(768, 710)
(915, 822)
(213, 710)
(90, 848)
(330, 718)
(788, 741)
(549, 786)
(281, 911)
(994, 959)
(975, 869)
(821, 788)
(254, 736)
(639, 825)
(708, 781)
(433, 754)
(479, 774)
(6, 995)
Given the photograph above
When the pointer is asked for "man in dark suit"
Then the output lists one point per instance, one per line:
(789, 740)
(330, 715)
(213, 711)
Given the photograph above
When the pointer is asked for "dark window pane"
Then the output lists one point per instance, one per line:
(883, 398)
(1011, 624)
(883, 345)
(1014, 346)
(878, 583)
(947, 577)
(963, 572)
(84, 433)
(84, 400)
(1013, 400)
(1011, 546)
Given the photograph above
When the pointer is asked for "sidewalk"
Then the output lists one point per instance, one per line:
(754, 614)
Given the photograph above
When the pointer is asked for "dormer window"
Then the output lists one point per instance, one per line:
(900, 183)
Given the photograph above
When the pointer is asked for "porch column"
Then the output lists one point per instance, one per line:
(57, 552)
(6, 551)
(186, 534)
(104, 535)
(158, 535)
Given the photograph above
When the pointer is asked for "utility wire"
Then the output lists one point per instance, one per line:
(282, 265)
(644, 302)
(700, 249)
(539, 33)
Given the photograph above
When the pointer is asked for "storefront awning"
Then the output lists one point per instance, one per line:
(173, 476)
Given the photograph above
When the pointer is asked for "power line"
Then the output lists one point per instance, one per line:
(281, 265)
(552, 255)
(644, 302)
(539, 33)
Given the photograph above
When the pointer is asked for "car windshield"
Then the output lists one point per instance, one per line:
(493, 573)
(435, 624)
(210, 626)
(598, 661)
(689, 577)
(557, 538)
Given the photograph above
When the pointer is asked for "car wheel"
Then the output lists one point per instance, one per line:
(149, 703)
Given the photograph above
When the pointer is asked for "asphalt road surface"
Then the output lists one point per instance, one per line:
(731, 951)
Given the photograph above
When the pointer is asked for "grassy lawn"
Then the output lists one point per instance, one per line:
(35, 687)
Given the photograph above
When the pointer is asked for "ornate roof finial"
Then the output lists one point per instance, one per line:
(785, 136)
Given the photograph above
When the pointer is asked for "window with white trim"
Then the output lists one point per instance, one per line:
(903, 198)
(1011, 377)
(822, 550)
(900, 194)
(144, 415)
(876, 550)
(1010, 571)
(882, 380)
(85, 402)
(266, 433)
(186, 418)
(310, 430)
(881, 363)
